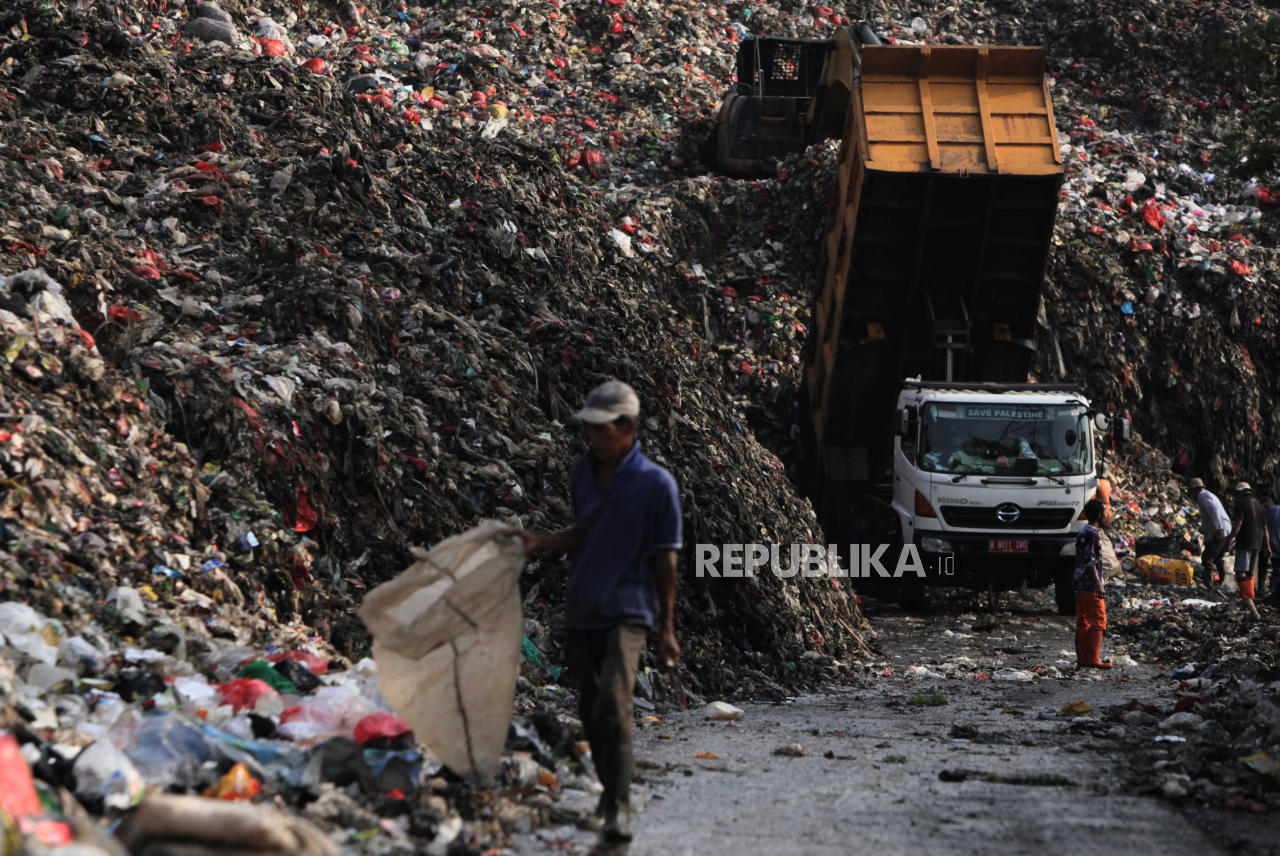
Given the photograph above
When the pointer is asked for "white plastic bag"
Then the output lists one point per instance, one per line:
(447, 643)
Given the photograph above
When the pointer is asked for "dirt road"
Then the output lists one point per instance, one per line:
(1032, 780)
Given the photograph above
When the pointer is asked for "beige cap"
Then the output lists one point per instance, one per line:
(1195, 483)
(608, 401)
(1242, 487)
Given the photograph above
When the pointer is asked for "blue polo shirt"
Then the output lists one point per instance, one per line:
(618, 528)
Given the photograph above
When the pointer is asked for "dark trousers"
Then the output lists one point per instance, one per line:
(1211, 560)
(604, 663)
(1262, 572)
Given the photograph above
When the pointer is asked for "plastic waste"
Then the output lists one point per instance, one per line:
(104, 772)
(26, 630)
(165, 749)
(314, 662)
(18, 796)
(128, 602)
(1133, 180)
(247, 693)
(447, 636)
(237, 784)
(381, 726)
(722, 710)
(295, 673)
(263, 671)
(331, 712)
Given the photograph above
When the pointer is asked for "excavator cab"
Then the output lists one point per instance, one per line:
(791, 93)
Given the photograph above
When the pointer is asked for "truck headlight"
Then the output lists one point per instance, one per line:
(1068, 549)
(935, 545)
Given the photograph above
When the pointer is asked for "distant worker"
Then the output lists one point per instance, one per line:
(1253, 548)
(1104, 493)
(1091, 608)
(1215, 526)
(1273, 542)
(625, 536)
(1110, 561)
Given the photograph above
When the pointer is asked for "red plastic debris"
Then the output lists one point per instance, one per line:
(124, 313)
(272, 47)
(244, 692)
(315, 65)
(377, 726)
(317, 664)
(213, 202)
(1152, 215)
(1240, 268)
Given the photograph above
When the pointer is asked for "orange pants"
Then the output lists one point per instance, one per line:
(1091, 611)
(1246, 588)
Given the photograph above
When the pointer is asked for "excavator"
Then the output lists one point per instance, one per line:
(791, 93)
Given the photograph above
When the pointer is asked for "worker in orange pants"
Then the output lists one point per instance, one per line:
(1091, 609)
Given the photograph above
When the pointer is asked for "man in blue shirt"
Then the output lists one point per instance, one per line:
(625, 536)
(1272, 515)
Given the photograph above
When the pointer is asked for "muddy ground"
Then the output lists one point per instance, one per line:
(1033, 781)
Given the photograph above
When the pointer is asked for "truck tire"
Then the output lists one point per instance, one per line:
(911, 594)
(1064, 593)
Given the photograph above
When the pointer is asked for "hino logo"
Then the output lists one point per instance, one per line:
(1008, 513)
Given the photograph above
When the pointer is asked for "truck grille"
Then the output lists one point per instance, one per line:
(965, 517)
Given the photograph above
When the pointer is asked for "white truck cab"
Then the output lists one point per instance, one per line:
(990, 480)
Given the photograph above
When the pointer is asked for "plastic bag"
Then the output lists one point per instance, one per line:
(331, 712)
(102, 770)
(165, 749)
(30, 632)
(314, 662)
(447, 636)
(245, 692)
(381, 726)
(723, 710)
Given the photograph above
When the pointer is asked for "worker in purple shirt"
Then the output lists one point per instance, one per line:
(624, 540)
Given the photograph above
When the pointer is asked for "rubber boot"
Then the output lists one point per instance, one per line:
(1246, 594)
(1082, 656)
(595, 821)
(617, 811)
(1093, 644)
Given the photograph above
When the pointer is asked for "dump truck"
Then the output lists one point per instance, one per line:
(922, 427)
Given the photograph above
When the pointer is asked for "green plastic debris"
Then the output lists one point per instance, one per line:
(930, 700)
(533, 655)
(264, 671)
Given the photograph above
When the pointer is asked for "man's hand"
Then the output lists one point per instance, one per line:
(668, 650)
(557, 542)
(532, 540)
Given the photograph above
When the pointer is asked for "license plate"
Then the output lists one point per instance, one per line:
(1008, 546)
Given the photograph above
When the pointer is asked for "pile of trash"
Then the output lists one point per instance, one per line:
(1216, 741)
(173, 713)
(364, 264)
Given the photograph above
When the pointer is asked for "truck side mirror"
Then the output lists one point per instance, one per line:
(1101, 421)
(904, 421)
(1122, 431)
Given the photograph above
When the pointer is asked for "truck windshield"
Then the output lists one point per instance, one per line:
(1005, 439)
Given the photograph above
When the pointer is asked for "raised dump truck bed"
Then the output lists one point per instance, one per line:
(941, 224)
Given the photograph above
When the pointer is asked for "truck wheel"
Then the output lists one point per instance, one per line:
(1064, 592)
(911, 594)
